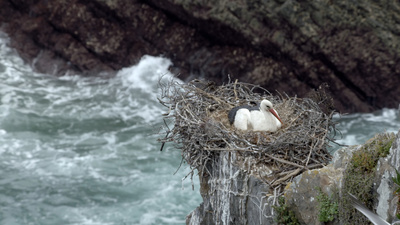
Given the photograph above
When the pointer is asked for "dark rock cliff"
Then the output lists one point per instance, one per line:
(289, 46)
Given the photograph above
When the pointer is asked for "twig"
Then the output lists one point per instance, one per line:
(294, 173)
(234, 89)
(202, 130)
(285, 161)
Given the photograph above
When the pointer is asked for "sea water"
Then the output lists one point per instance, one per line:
(78, 150)
(359, 127)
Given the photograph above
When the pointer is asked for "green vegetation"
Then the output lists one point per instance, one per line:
(366, 159)
(359, 176)
(328, 209)
(396, 180)
(285, 215)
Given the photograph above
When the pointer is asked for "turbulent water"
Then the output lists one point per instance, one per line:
(77, 150)
(358, 128)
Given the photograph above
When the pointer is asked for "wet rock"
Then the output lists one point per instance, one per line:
(231, 195)
(387, 202)
(288, 46)
(301, 194)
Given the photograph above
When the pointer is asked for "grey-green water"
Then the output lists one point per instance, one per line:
(77, 150)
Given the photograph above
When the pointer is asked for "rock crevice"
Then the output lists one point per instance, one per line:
(288, 46)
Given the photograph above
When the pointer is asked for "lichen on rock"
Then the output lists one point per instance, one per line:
(358, 178)
(363, 170)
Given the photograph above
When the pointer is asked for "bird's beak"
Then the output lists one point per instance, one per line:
(276, 115)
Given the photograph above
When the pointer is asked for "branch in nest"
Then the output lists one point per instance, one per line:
(202, 129)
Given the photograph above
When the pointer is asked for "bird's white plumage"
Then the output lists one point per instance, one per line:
(257, 120)
(242, 119)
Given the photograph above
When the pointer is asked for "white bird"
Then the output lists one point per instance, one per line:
(374, 218)
(262, 118)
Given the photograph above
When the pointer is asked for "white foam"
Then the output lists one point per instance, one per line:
(359, 127)
(148, 218)
(132, 94)
(349, 140)
(83, 219)
(147, 75)
(85, 140)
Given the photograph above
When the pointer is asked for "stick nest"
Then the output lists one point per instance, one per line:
(202, 130)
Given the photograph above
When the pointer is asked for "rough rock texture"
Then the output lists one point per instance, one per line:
(301, 194)
(387, 202)
(231, 195)
(290, 46)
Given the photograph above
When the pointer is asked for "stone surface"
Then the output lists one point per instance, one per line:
(386, 170)
(234, 195)
(301, 193)
(289, 46)
(231, 195)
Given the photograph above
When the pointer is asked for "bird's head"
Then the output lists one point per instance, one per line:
(268, 107)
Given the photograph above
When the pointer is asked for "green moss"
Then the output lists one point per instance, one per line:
(366, 159)
(396, 180)
(284, 214)
(359, 177)
(328, 209)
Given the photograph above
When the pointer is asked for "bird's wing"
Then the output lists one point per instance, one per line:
(374, 218)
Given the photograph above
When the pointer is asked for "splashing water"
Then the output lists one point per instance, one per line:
(77, 150)
(357, 128)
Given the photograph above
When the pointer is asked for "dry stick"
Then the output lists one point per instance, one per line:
(193, 101)
(311, 150)
(185, 109)
(294, 173)
(202, 171)
(312, 166)
(229, 149)
(285, 161)
(286, 172)
(191, 171)
(234, 89)
(210, 96)
(263, 179)
(193, 116)
(324, 137)
(280, 95)
(180, 164)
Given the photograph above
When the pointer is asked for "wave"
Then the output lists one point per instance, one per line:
(359, 127)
